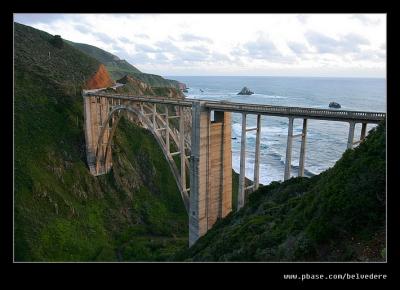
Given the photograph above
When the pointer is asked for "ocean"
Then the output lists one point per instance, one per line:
(326, 140)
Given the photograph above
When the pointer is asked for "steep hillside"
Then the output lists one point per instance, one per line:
(62, 213)
(157, 81)
(338, 215)
(114, 64)
(119, 68)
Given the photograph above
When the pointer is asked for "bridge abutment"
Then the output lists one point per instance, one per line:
(96, 111)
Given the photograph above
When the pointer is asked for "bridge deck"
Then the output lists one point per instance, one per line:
(282, 111)
(299, 112)
(147, 99)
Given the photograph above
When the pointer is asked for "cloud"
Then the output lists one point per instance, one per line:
(142, 35)
(369, 55)
(167, 46)
(261, 49)
(161, 58)
(37, 18)
(297, 47)
(302, 18)
(325, 44)
(192, 37)
(193, 56)
(82, 28)
(103, 37)
(87, 29)
(200, 48)
(366, 20)
(220, 57)
(146, 48)
(125, 39)
(139, 58)
(235, 43)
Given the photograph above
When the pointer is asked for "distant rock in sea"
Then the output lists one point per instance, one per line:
(245, 91)
(334, 105)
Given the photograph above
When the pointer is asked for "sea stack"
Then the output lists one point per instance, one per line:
(334, 105)
(245, 91)
(183, 87)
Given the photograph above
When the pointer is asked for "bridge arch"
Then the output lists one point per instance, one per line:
(103, 154)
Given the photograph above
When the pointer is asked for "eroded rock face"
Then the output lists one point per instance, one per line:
(135, 86)
(101, 79)
(245, 91)
(182, 86)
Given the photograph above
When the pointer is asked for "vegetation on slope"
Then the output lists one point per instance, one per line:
(338, 215)
(62, 212)
(118, 68)
(114, 64)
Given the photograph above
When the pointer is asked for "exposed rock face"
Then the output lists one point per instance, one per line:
(334, 105)
(182, 86)
(135, 86)
(101, 79)
(245, 91)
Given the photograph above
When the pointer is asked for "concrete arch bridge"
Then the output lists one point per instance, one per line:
(204, 171)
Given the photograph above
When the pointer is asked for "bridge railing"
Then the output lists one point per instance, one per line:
(288, 111)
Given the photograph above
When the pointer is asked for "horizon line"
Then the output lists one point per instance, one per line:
(288, 76)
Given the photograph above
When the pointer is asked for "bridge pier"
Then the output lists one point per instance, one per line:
(210, 170)
(289, 149)
(242, 174)
(363, 131)
(350, 139)
(303, 148)
(257, 155)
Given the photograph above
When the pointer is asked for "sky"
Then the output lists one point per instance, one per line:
(323, 45)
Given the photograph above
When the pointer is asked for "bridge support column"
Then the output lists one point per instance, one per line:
(289, 149)
(154, 116)
(167, 130)
(257, 155)
(242, 174)
(363, 131)
(351, 135)
(181, 147)
(95, 114)
(210, 170)
(303, 148)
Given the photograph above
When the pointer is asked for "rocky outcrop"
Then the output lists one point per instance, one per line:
(334, 105)
(101, 79)
(245, 91)
(134, 86)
